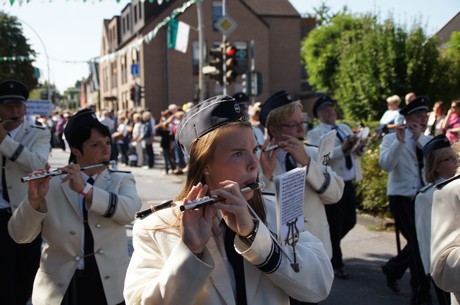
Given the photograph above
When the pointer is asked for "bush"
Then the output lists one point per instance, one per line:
(372, 189)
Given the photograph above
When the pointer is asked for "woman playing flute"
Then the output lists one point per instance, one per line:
(82, 217)
(221, 253)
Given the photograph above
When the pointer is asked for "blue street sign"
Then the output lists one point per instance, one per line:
(134, 69)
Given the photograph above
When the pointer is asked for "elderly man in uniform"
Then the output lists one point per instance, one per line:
(82, 216)
(345, 162)
(401, 156)
(284, 121)
(23, 148)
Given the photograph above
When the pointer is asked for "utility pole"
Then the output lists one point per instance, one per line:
(224, 40)
(199, 9)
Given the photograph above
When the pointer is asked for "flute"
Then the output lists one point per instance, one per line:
(276, 146)
(11, 120)
(207, 200)
(59, 172)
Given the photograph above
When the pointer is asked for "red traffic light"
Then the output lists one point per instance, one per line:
(230, 51)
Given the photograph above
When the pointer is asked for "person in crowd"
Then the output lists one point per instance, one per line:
(137, 138)
(180, 158)
(451, 125)
(346, 163)
(23, 148)
(121, 137)
(388, 119)
(401, 156)
(166, 142)
(222, 253)
(407, 100)
(283, 119)
(253, 112)
(440, 164)
(62, 121)
(435, 119)
(82, 218)
(147, 138)
(445, 233)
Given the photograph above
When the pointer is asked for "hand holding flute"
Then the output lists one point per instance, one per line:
(197, 224)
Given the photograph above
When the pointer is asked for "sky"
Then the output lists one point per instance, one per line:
(70, 31)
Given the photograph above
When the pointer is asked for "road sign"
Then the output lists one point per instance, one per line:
(226, 25)
(135, 69)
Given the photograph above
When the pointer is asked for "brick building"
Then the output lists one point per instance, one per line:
(131, 57)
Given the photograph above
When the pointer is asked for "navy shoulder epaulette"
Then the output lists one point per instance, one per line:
(39, 127)
(446, 182)
(426, 187)
(118, 171)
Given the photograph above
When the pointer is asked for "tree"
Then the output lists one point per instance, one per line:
(13, 47)
(362, 61)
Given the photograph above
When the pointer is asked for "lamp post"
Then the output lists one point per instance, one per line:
(46, 54)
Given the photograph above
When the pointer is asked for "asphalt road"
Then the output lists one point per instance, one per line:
(364, 248)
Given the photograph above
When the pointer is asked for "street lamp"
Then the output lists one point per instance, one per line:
(46, 54)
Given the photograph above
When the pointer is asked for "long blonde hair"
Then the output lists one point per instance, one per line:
(201, 153)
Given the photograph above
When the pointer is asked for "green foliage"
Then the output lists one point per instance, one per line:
(371, 190)
(14, 44)
(361, 61)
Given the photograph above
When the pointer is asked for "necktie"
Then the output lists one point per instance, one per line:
(236, 261)
(419, 154)
(5, 195)
(90, 261)
(348, 161)
(4, 187)
(289, 162)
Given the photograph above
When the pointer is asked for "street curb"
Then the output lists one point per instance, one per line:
(375, 223)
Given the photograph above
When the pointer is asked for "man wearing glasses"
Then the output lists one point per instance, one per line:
(284, 121)
(345, 162)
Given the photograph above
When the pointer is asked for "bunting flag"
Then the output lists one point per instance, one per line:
(178, 33)
(16, 58)
(20, 2)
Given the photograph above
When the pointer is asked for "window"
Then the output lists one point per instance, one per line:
(135, 14)
(216, 13)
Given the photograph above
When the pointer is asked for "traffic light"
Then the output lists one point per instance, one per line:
(246, 83)
(132, 93)
(216, 65)
(230, 63)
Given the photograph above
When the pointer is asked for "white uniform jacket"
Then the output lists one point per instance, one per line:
(27, 152)
(423, 205)
(115, 202)
(337, 161)
(445, 237)
(400, 161)
(164, 271)
(320, 188)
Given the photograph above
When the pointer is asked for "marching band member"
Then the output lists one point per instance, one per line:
(82, 217)
(23, 148)
(222, 253)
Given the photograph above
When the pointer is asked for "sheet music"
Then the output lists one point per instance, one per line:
(326, 147)
(290, 192)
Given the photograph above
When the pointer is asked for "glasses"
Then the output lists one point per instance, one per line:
(450, 159)
(294, 125)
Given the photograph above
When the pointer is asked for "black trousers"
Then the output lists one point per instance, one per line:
(342, 218)
(402, 209)
(18, 265)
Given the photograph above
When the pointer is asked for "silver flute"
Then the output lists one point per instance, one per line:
(271, 147)
(207, 200)
(60, 173)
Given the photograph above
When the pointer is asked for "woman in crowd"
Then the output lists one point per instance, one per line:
(223, 253)
(440, 164)
(451, 125)
(435, 119)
